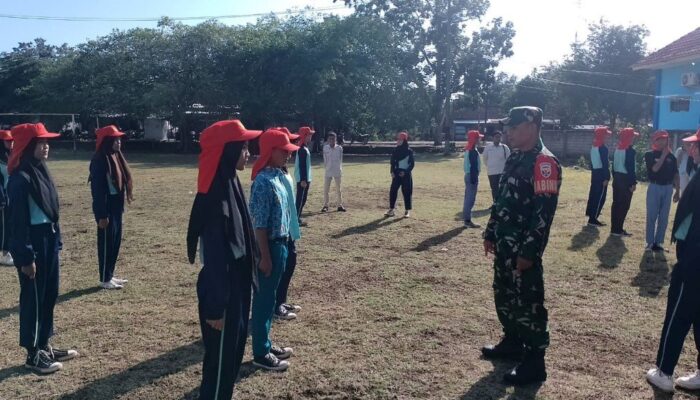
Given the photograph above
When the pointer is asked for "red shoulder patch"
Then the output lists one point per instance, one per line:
(546, 175)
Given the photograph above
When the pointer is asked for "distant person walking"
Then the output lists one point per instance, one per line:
(600, 176)
(624, 181)
(402, 164)
(472, 168)
(495, 156)
(5, 149)
(333, 163)
(662, 169)
(302, 169)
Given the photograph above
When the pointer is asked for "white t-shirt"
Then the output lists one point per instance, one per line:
(495, 158)
(333, 161)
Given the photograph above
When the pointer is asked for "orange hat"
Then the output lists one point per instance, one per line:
(600, 134)
(472, 139)
(270, 140)
(403, 135)
(627, 136)
(212, 142)
(6, 136)
(285, 130)
(23, 135)
(305, 132)
(693, 139)
(105, 132)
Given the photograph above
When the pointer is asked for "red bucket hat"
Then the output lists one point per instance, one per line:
(23, 135)
(472, 139)
(212, 142)
(305, 132)
(291, 135)
(656, 136)
(693, 139)
(600, 133)
(627, 136)
(105, 132)
(270, 140)
(403, 135)
(6, 136)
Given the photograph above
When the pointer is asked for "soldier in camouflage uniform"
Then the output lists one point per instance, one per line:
(517, 235)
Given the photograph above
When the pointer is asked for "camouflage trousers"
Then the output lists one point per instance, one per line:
(519, 301)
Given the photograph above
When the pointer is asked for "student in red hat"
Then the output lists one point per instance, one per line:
(110, 183)
(472, 168)
(600, 176)
(270, 206)
(35, 244)
(302, 169)
(683, 306)
(221, 224)
(624, 181)
(5, 149)
(663, 178)
(401, 168)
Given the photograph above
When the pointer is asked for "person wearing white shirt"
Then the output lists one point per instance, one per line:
(333, 162)
(495, 156)
(686, 166)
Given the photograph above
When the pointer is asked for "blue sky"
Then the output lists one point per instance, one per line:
(545, 28)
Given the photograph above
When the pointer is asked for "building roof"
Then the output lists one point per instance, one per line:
(682, 50)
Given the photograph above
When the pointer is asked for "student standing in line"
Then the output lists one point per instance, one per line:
(270, 209)
(495, 156)
(686, 165)
(600, 176)
(402, 163)
(624, 181)
(110, 183)
(662, 169)
(302, 169)
(35, 244)
(472, 168)
(333, 162)
(220, 222)
(683, 307)
(5, 149)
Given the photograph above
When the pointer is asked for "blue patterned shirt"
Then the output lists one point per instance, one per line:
(269, 203)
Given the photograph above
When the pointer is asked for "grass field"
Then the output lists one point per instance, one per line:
(393, 308)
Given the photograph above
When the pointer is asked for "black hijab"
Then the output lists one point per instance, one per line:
(42, 188)
(4, 153)
(225, 200)
(400, 152)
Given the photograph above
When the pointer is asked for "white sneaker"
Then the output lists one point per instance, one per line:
(6, 259)
(660, 380)
(119, 281)
(648, 249)
(689, 382)
(407, 214)
(390, 213)
(110, 285)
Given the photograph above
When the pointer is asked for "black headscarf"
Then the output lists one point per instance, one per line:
(400, 152)
(225, 200)
(118, 171)
(4, 153)
(42, 188)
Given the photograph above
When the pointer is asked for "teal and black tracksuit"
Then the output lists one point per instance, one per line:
(624, 178)
(402, 161)
(4, 209)
(600, 173)
(302, 172)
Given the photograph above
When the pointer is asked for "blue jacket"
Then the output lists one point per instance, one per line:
(472, 165)
(600, 163)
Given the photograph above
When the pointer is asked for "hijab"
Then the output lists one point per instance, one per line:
(42, 188)
(401, 151)
(118, 171)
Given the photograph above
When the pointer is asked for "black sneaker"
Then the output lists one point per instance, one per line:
(595, 223)
(60, 355)
(342, 209)
(270, 363)
(471, 225)
(626, 234)
(292, 307)
(281, 353)
(657, 249)
(324, 209)
(531, 370)
(41, 363)
(284, 314)
(509, 349)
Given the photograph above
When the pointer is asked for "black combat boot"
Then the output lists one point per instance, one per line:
(508, 348)
(530, 370)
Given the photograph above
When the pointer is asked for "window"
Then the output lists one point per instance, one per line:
(680, 104)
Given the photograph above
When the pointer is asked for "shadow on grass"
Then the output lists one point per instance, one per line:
(247, 369)
(475, 214)
(653, 274)
(6, 312)
(491, 386)
(585, 238)
(11, 372)
(611, 253)
(366, 228)
(438, 240)
(140, 375)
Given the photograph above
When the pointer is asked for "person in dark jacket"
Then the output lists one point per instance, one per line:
(302, 169)
(110, 184)
(624, 181)
(600, 176)
(220, 223)
(35, 243)
(472, 169)
(683, 306)
(5, 149)
(402, 163)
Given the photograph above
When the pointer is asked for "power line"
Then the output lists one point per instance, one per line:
(156, 19)
(670, 96)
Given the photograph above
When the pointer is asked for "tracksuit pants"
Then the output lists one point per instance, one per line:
(265, 298)
(302, 195)
(223, 350)
(622, 199)
(4, 230)
(37, 296)
(327, 188)
(286, 279)
(682, 312)
(659, 199)
(470, 190)
(406, 185)
(109, 241)
(597, 195)
(494, 181)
